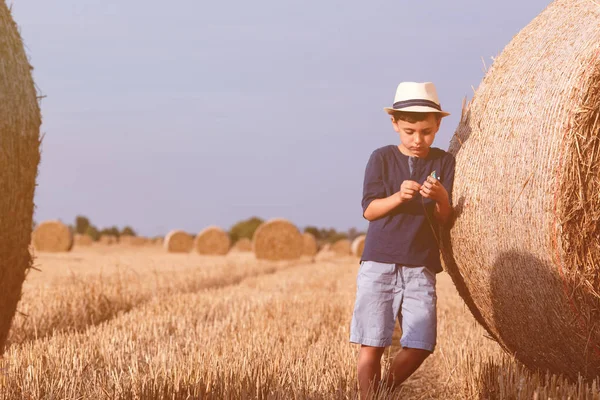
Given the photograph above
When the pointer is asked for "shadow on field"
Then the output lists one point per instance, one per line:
(533, 317)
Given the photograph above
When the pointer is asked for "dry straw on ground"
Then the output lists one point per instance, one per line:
(358, 245)
(310, 244)
(212, 241)
(19, 158)
(277, 239)
(83, 240)
(178, 241)
(243, 244)
(342, 247)
(52, 236)
(525, 249)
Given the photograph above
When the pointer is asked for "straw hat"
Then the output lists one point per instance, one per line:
(416, 97)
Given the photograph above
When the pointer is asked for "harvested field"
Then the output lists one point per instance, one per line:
(171, 328)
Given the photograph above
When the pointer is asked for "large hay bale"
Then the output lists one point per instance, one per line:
(243, 245)
(212, 241)
(358, 245)
(83, 240)
(178, 241)
(525, 250)
(310, 244)
(342, 247)
(19, 158)
(277, 239)
(52, 236)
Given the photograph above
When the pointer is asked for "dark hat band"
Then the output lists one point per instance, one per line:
(416, 102)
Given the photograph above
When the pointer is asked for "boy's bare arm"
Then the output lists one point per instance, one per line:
(433, 189)
(379, 207)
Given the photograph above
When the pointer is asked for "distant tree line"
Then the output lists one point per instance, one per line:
(246, 228)
(85, 227)
(242, 229)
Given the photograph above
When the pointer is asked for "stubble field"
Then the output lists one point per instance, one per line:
(138, 323)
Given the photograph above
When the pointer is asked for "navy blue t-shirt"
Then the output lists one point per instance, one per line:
(405, 235)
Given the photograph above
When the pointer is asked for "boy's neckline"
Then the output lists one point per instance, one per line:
(406, 155)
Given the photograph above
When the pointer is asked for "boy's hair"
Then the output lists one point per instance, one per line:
(412, 117)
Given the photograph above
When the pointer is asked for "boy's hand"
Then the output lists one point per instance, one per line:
(408, 190)
(433, 189)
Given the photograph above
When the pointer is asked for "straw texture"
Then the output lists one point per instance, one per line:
(212, 241)
(310, 244)
(52, 236)
(358, 245)
(277, 239)
(19, 158)
(524, 251)
(178, 241)
(342, 247)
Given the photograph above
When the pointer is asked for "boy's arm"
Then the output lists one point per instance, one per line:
(443, 210)
(441, 193)
(379, 207)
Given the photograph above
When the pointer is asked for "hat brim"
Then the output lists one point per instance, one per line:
(420, 109)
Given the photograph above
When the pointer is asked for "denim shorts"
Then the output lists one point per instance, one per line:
(389, 291)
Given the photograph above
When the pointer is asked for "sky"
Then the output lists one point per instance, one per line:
(192, 113)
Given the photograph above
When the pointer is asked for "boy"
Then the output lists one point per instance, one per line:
(405, 202)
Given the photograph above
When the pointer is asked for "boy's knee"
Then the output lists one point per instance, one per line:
(417, 354)
(371, 353)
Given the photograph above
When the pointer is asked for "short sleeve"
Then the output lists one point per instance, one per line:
(447, 177)
(373, 187)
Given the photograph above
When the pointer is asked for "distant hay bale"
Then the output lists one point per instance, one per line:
(326, 247)
(107, 239)
(83, 240)
(52, 236)
(310, 244)
(358, 245)
(342, 247)
(212, 241)
(277, 239)
(524, 251)
(157, 241)
(178, 241)
(243, 244)
(126, 240)
(19, 158)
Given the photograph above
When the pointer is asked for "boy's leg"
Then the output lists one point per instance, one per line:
(369, 369)
(378, 299)
(418, 319)
(406, 362)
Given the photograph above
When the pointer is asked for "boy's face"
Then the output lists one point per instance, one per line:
(417, 137)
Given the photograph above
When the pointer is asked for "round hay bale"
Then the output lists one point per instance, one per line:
(243, 244)
(342, 247)
(19, 158)
(108, 239)
(178, 241)
(277, 239)
(358, 245)
(310, 244)
(212, 241)
(52, 236)
(83, 240)
(126, 240)
(524, 251)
